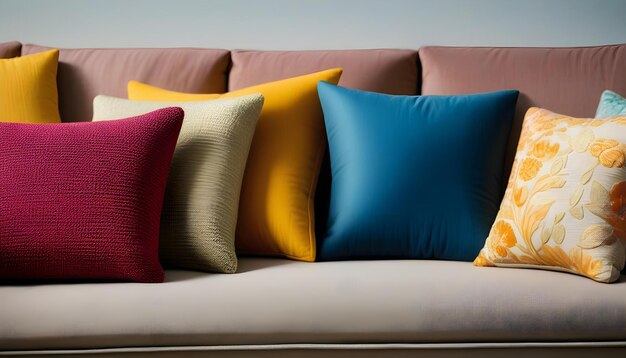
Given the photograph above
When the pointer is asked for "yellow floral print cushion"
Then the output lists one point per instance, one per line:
(565, 205)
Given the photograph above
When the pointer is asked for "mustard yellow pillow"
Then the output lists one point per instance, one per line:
(276, 214)
(565, 205)
(28, 88)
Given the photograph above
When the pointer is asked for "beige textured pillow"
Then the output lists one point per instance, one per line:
(202, 195)
(565, 206)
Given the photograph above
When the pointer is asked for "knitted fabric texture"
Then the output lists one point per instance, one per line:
(82, 201)
(202, 196)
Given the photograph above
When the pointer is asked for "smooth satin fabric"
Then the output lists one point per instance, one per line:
(413, 176)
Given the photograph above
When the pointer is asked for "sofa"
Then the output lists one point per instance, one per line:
(277, 307)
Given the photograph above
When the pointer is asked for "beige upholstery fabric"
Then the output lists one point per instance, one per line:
(382, 350)
(274, 301)
(202, 195)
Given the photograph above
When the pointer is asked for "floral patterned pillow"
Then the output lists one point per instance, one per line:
(565, 204)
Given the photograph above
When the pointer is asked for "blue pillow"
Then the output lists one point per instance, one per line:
(611, 104)
(413, 176)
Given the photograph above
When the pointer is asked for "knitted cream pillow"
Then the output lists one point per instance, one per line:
(202, 195)
(565, 206)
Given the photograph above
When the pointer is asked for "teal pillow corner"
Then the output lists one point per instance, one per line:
(413, 177)
(611, 104)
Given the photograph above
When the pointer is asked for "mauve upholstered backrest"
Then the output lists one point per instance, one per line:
(387, 71)
(563, 80)
(85, 73)
(10, 49)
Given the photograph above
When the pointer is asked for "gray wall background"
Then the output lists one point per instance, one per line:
(312, 24)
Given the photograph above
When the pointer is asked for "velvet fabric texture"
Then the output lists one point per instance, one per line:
(82, 201)
(413, 176)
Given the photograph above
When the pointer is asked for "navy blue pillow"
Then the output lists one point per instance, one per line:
(413, 176)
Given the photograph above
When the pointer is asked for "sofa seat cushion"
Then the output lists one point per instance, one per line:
(276, 301)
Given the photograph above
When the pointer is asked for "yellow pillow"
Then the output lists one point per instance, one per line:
(276, 214)
(28, 88)
(565, 205)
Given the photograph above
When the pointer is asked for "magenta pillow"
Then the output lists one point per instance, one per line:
(82, 201)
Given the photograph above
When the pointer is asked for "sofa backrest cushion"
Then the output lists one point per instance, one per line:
(389, 71)
(10, 49)
(85, 73)
(564, 80)
(386, 71)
